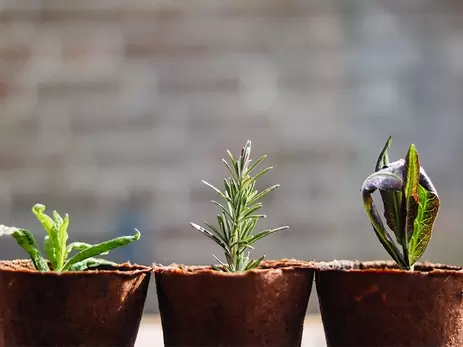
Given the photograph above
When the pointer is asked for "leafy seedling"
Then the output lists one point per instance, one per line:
(237, 220)
(56, 247)
(411, 205)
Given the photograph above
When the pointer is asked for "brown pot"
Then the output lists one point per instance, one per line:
(100, 307)
(377, 304)
(264, 307)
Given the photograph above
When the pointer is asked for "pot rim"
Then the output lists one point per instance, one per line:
(24, 266)
(266, 267)
(386, 267)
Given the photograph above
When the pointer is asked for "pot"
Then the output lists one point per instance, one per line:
(200, 306)
(101, 307)
(377, 304)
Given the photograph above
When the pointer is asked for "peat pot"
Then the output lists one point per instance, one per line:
(263, 307)
(377, 304)
(101, 307)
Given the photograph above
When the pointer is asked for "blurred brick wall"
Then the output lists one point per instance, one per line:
(106, 105)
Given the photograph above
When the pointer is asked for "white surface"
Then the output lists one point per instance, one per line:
(150, 333)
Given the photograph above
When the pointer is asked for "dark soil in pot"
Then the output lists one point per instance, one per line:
(263, 307)
(376, 304)
(100, 307)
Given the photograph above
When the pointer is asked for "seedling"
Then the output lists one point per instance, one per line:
(237, 220)
(56, 247)
(410, 205)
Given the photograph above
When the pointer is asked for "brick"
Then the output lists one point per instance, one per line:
(4, 90)
(232, 9)
(278, 9)
(19, 10)
(196, 85)
(202, 74)
(15, 53)
(194, 38)
(63, 87)
(119, 124)
(84, 5)
(420, 6)
(142, 49)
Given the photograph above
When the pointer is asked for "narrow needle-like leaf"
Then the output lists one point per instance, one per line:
(237, 220)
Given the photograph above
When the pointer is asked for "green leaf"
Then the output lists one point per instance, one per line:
(225, 227)
(254, 263)
(49, 226)
(217, 191)
(411, 182)
(79, 246)
(27, 241)
(229, 169)
(100, 248)
(383, 159)
(427, 213)
(258, 161)
(90, 263)
(46, 221)
(263, 193)
(249, 211)
(49, 250)
(63, 231)
(57, 220)
(209, 235)
(248, 227)
(62, 227)
(263, 172)
(222, 208)
(216, 232)
(220, 261)
(392, 202)
(389, 182)
(76, 246)
(262, 234)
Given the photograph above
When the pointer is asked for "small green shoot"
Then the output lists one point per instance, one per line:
(237, 220)
(411, 205)
(56, 247)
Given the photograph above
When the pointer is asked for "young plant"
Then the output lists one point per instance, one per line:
(410, 205)
(237, 220)
(56, 247)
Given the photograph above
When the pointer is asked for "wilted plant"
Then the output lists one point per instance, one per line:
(410, 205)
(56, 247)
(237, 219)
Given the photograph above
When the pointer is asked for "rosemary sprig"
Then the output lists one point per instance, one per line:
(237, 219)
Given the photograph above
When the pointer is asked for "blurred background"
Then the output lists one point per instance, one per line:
(114, 110)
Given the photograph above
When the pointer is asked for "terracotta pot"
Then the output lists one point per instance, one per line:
(87, 308)
(376, 304)
(264, 307)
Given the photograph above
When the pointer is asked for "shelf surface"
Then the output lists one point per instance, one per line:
(150, 333)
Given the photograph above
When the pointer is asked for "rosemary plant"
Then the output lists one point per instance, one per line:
(410, 205)
(237, 219)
